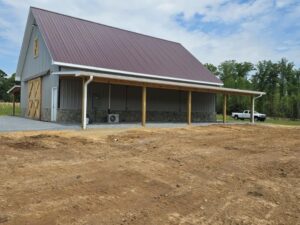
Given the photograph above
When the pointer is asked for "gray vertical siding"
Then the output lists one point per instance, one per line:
(127, 99)
(32, 65)
(48, 81)
(203, 102)
(118, 97)
(23, 98)
(70, 93)
(97, 96)
(134, 98)
(165, 100)
(122, 97)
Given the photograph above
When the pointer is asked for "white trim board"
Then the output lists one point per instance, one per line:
(155, 81)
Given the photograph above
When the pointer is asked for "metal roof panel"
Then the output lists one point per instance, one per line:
(76, 41)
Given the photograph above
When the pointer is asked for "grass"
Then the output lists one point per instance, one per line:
(6, 109)
(278, 121)
(283, 121)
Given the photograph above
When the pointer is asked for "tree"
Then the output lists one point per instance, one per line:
(212, 69)
(294, 95)
(266, 79)
(5, 84)
(235, 75)
(280, 80)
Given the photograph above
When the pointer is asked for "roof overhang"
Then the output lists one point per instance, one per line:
(128, 73)
(14, 89)
(155, 83)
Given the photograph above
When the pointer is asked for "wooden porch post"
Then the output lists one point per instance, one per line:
(14, 104)
(224, 108)
(252, 109)
(144, 104)
(189, 108)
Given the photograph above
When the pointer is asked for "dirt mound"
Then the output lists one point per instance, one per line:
(212, 175)
(40, 142)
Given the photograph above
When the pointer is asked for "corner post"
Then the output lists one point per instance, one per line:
(224, 108)
(144, 105)
(189, 108)
(252, 109)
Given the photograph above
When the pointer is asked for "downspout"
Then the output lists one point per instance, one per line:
(253, 106)
(84, 100)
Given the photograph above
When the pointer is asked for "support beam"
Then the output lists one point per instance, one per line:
(224, 108)
(252, 109)
(189, 108)
(152, 83)
(84, 100)
(14, 104)
(144, 105)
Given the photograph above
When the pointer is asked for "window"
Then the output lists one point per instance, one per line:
(36, 48)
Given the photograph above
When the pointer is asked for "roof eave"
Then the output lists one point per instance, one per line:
(24, 47)
(128, 73)
(214, 89)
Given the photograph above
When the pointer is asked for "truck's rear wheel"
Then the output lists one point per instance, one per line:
(236, 117)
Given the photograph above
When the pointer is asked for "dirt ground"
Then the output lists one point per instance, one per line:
(233, 174)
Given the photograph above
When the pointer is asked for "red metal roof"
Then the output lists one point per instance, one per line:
(76, 41)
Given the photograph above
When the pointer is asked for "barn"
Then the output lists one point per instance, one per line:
(73, 70)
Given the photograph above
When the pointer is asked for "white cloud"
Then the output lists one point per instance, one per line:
(253, 40)
(284, 3)
(234, 11)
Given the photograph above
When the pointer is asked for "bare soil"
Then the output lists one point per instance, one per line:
(233, 174)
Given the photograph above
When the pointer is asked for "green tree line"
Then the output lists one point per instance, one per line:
(280, 80)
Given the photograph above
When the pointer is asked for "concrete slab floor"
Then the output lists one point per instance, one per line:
(13, 123)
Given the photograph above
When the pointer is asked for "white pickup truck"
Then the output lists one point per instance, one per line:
(247, 115)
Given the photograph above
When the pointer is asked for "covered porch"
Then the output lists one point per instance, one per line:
(14, 91)
(189, 95)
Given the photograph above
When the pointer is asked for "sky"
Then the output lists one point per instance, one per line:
(213, 30)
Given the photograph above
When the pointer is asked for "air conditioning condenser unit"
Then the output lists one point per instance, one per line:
(113, 118)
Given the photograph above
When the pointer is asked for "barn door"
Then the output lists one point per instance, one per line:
(34, 98)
